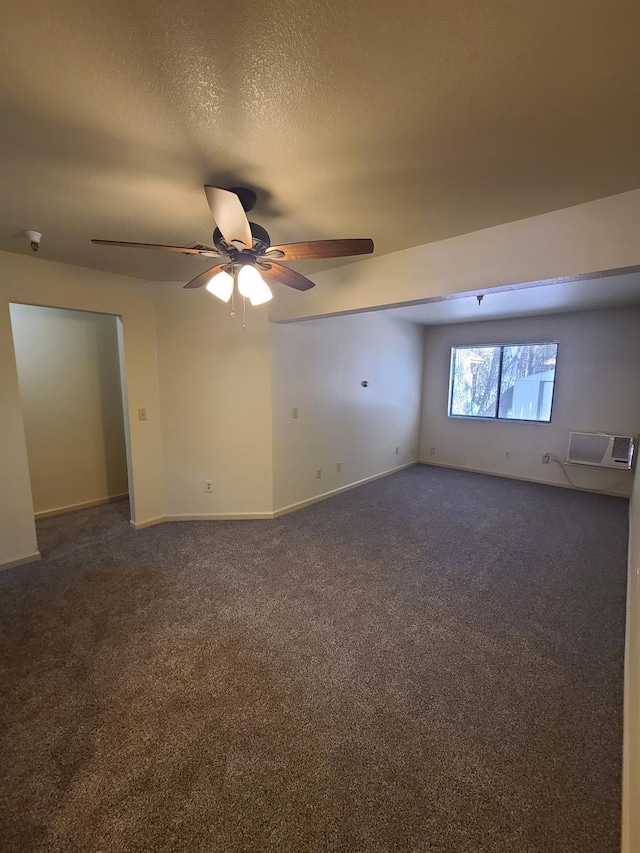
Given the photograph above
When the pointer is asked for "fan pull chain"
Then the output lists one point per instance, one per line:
(244, 313)
(233, 294)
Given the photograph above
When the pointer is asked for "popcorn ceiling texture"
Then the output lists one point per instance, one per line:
(432, 662)
(408, 122)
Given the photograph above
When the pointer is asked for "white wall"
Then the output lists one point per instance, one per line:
(206, 385)
(69, 375)
(597, 389)
(318, 367)
(215, 389)
(631, 758)
(598, 235)
(36, 281)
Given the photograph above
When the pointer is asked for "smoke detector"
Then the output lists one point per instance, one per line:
(34, 238)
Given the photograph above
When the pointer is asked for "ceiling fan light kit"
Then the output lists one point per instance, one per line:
(221, 285)
(244, 252)
(252, 286)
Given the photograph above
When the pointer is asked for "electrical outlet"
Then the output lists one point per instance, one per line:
(507, 455)
(294, 413)
(338, 466)
(546, 458)
(318, 473)
(142, 414)
(432, 451)
(397, 450)
(208, 486)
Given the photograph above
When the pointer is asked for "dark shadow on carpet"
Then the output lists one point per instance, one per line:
(432, 662)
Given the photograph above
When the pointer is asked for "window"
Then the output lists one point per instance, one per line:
(511, 382)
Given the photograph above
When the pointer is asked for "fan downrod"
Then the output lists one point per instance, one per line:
(247, 197)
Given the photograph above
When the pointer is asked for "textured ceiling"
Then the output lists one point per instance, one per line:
(406, 121)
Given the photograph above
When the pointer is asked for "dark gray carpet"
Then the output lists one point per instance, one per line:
(432, 662)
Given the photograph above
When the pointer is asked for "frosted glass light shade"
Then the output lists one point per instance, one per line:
(253, 286)
(221, 285)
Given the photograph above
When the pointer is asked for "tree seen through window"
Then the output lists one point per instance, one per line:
(509, 382)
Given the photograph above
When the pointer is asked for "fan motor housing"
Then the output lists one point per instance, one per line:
(261, 239)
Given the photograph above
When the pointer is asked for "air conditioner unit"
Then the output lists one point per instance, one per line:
(601, 449)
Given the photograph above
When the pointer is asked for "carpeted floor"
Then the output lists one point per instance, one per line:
(432, 662)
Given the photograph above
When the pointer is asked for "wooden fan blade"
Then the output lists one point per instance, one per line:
(228, 212)
(205, 277)
(316, 249)
(286, 276)
(182, 249)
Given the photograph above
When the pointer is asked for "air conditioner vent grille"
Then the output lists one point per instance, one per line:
(589, 448)
(621, 448)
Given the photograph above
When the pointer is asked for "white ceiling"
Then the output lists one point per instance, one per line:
(615, 291)
(407, 121)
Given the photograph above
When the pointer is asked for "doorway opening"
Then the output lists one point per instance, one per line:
(71, 377)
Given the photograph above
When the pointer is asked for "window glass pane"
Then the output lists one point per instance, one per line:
(474, 381)
(528, 374)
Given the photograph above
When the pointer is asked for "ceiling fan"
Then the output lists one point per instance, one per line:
(245, 253)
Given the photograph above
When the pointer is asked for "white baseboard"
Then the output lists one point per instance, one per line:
(45, 513)
(20, 561)
(309, 501)
(516, 477)
(212, 516)
(220, 516)
(149, 522)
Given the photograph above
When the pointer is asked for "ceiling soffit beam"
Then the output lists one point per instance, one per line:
(596, 238)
